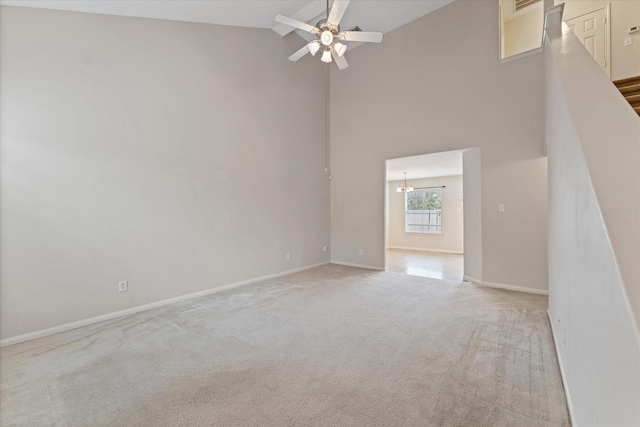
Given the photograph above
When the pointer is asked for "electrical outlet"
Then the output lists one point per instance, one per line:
(324, 249)
(288, 256)
(359, 251)
(123, 286)
(628, 41)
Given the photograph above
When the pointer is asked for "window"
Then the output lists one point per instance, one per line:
(423, 211)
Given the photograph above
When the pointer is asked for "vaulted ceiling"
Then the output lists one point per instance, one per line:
(369, 15)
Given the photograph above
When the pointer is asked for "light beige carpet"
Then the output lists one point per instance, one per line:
(332, 346)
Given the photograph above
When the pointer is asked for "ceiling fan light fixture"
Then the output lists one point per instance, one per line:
(314, 46)
(326, 37)
(329, 36)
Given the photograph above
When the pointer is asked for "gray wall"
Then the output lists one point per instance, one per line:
(594, 236)
(180, 157)
(472, 192)
(435, 85)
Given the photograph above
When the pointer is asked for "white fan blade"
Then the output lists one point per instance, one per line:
(299, 54)
(360, 36)
(297, 24)
(341, 61)
(337, 10)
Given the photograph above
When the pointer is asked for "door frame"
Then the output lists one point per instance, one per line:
(607, 35)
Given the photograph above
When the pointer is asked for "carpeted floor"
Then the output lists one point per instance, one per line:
(331, 346)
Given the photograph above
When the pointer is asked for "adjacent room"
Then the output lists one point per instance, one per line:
(424, 216)
(205, 217)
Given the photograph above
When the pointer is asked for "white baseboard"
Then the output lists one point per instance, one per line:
(442, 251)
(508, 287)
(472, 280)
(562, 374)
(129, 311)
(515, 288)
(348, 264)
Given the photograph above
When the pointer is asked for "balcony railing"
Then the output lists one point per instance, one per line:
(418, 221)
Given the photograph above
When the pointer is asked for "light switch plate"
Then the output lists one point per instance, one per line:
(123, 286)
(628, 41)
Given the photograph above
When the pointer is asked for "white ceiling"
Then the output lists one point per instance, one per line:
(447, 163)
(370, 15)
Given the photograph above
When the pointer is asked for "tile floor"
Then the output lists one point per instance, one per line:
(426, 264)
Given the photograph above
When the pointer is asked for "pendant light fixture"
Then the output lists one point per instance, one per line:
(405, 189)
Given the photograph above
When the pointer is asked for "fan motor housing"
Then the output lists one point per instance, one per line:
(324, 25)
(326, 38)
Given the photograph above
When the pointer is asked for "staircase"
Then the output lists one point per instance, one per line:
(630, 89)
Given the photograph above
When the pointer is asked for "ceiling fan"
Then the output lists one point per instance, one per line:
(329, 36)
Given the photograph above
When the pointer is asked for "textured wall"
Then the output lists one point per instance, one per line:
(180, 157)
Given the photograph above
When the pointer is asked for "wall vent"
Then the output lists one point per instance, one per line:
(521, 4)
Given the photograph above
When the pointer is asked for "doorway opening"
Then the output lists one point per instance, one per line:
(425, 216)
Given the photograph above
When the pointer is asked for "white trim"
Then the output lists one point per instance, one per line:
(550, 20)
(133, 310)
(471, 279)
(521, 55)
(607, 40)
(607, 34)
(562, 374)
(444, 251)
(349, 264)
(507, 287)
(515, 288)
(425, 232)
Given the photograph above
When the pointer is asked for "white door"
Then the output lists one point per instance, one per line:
(591, 29)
